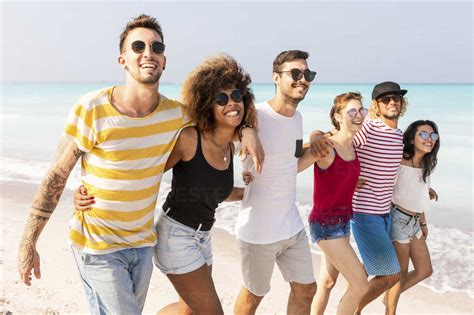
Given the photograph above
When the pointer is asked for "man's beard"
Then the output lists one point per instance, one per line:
(293, 100)
(153, 79)
(391, 116)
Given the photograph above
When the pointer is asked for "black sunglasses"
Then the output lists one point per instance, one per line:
(297, 74)
(139, 46)
(386, 99)
(425, 135)
(222, 98)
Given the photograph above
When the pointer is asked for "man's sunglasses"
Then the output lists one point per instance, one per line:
(353, 112)
(297, 74)
(222, 98)
(425, 135)
(139, 46)
(386, 99)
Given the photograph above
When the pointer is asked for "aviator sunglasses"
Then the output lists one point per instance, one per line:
(386, 99)
(297, 74)
(353, 112)
(425, 135)
(222, 98)
(139, 46)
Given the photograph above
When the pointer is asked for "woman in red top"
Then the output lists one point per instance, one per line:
(335, 178)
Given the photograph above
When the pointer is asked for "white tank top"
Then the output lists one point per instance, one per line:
(410, 191)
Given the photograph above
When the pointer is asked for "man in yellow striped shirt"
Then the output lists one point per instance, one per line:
(124, 135)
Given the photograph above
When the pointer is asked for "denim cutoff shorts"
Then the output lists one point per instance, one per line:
(404, 227)
(180, 249)
(323, 231)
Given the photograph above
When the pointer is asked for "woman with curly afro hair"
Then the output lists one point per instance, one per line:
(220, 102)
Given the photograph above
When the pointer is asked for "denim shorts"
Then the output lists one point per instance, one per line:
(180, 249)
(324, 231)
(404, 227)
(372, 235)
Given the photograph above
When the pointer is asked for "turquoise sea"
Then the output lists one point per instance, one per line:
(32, 117)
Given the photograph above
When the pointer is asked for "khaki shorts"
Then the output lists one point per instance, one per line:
(292, 255)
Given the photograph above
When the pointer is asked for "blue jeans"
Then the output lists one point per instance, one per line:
(116, 283)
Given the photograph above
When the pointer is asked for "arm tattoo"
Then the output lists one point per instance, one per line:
(46, 200)
(33, 227)
(53, 185)
(62, 146)
(50, 191)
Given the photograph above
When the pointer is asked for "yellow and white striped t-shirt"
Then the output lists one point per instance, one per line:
(122, 167)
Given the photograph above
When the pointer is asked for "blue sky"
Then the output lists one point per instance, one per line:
(348, 41)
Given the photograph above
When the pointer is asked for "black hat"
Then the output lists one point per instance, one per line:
(386, 88)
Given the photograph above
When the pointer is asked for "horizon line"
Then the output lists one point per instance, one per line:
(179, 83)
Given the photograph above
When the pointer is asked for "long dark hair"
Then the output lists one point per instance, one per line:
(429, 161)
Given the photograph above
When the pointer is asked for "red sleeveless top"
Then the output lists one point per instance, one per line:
(333, 190)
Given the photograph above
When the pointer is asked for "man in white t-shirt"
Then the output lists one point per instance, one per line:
(269, 228)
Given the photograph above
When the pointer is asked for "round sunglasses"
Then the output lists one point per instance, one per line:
(386, 99)
(139, 46)
(222, 98)
(297, 74)
(425, 135)
(353, 112)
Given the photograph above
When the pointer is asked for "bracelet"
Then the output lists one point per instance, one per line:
(241, 129)
(423, 224)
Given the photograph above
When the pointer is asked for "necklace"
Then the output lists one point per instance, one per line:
(224, 157)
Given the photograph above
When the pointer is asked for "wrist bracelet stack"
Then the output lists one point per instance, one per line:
(242, 128)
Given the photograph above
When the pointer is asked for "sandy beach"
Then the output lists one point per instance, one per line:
(60, 290)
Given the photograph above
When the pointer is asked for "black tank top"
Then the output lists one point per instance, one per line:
(196, 190)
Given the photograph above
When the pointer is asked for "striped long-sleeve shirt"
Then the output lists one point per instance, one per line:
(122, 167)
(380, 149)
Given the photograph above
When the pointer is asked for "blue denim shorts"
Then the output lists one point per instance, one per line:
(324, 231)
(180, 249)
(372, 235)
(404, 227)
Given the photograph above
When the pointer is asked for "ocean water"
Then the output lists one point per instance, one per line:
(33, 116)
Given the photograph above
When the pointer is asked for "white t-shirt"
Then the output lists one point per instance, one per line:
(268, 212)
(411, 192)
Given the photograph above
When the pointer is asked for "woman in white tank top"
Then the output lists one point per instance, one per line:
(411, 200)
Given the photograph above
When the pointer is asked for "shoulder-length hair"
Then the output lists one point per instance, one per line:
(429, 161)
(340, 102)
(214, 74)
(374, 110)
